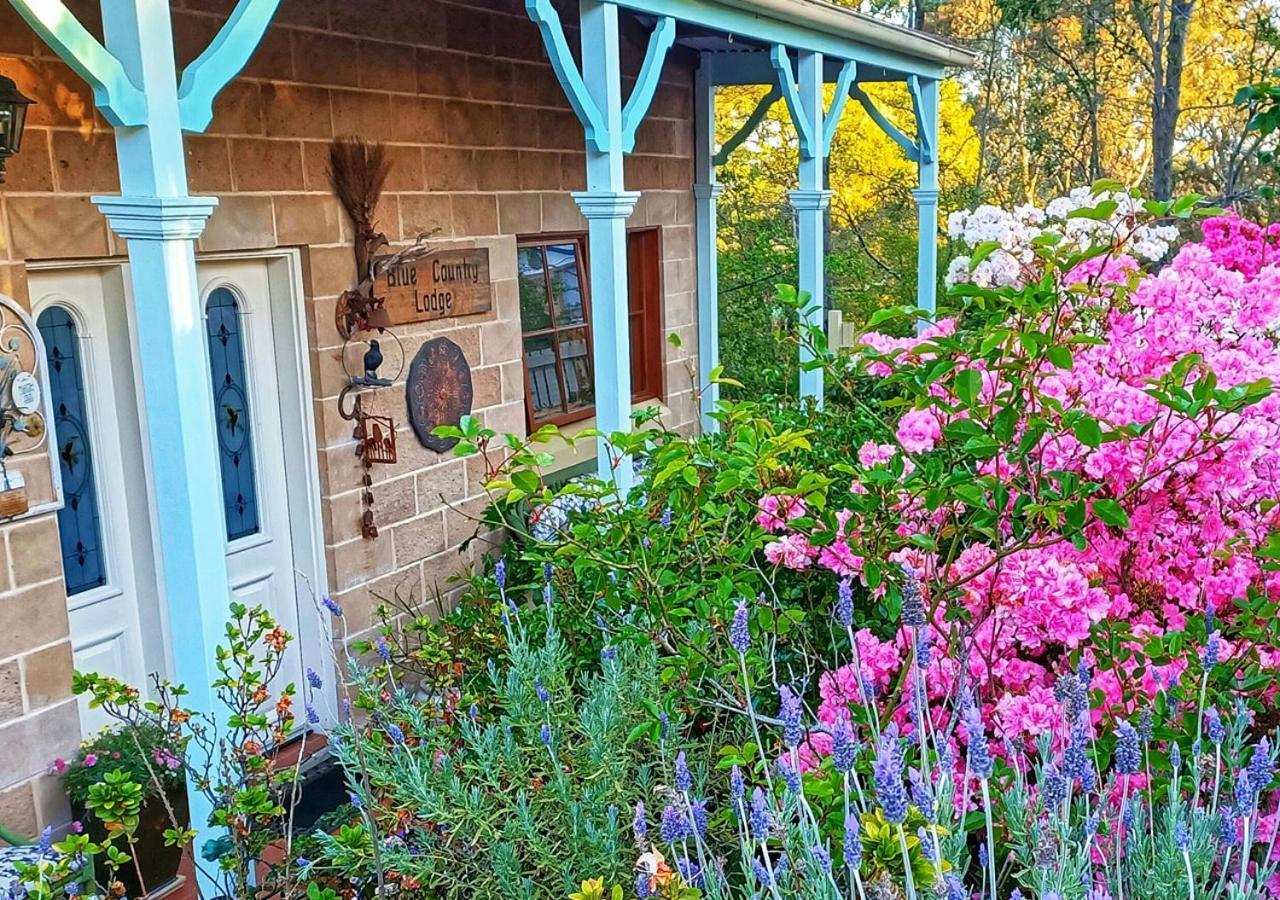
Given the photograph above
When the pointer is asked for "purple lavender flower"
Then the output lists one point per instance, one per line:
(46, 840)
(684, 780)
(355, 800)
(1128, 758)
(662, 725)
(1175, 756)
(1209, 616)
(982, 856)
(955, 890)
(1146, 725)
(313, 717)
(1213, 724)
(1244, 793)
(887, 774)
(980, 762)
(643, 891)
(759, 819)
(1228, 833)
(1212, 649)
(791, 709)
(844, 603)
(332, 605)
(666, 518)
(1260, 769)
(737, 785)
(852, 842)
(608, 654)
(1182, 837)
(500, 573)
(1075, 764)
(921, 795)
(689, 871)
(541, 691)
(313, 679)
(912, 600)
(384, 651)
(790, 776)
(674, 827)
(761, 873)
(544, 734)
(698, 812)
(1053, 787)
(396, 734)
(740, 630)
(924, 648)
(843, 749)
(821, 856)
(548, 570)
(639, 825)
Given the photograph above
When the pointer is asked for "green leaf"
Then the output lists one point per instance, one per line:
(1111, 513)
(968, 383)
(1088, 432)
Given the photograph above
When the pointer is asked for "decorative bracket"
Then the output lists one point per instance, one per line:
(221, 61)
(909, 146)
(120, 100)
(809, 131)
(660, 41)
(924, 137)
(589, 114)
(748, 127)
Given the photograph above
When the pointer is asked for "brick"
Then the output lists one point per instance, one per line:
(30, 742)
(442, 484)
(539, 171)
(320, 58)
(359, 113)
(463, 521)
(560, 131)
(486, 384)
(56, 226)
(31, 169)
(500, 343)
(517, 38)
(308, 13)
(307, 219)
(677, 173)
(450, 169)
(52, 807)
(388, 67)
(47, 675)
(32, 617)
(424, 213)
(331, 270)
(497, 170)
(536, 85)
(513, 382)
(292, 110)
(489, 79)
(208, 164)
(561, 213)
(471, 124)
(15, 37)
(191, 34)
(520, 213)
(18, 810)
(441, 74)
(396, 500)
(266, 165)
(356, 561)
(573, 171)
(240, 223)
(85, 162)
(10, 691)
(273, 57)
(474, 214)
(238, 110)
(33, 552)
(469, 29)
(61, 97)
(417, 120)
(406, 169)
(419, 538)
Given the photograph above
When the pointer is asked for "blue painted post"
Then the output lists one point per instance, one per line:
(161, 223)
(705, 192)
(607, 206)
(810, 202)
(927, 197)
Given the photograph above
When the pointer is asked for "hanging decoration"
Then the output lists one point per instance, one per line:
(438, 391)
(23, 405)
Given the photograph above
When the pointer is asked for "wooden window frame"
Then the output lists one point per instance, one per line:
(654, 387)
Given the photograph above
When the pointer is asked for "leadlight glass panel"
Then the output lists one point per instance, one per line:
(79, 522)
(231, 413)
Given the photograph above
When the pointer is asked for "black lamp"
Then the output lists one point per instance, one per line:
(13, 118)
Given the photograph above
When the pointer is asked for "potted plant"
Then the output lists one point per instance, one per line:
(144, 753)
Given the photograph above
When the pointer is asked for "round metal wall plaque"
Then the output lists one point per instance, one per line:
(438, 391)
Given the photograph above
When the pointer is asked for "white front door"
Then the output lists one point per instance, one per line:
(105, 542)
(260, 388)
(247, 408)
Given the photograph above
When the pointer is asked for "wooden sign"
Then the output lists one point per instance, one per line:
(438, 391)
(442, 284)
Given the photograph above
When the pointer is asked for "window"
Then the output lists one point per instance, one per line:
(79, 524)
(555, 317)
(231, 413)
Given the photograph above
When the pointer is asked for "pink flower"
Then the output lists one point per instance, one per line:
(58, 766)
(792, 551)
(90, 760)
(919, 431)
(776, 510)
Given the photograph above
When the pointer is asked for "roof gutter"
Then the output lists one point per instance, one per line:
(852, 25)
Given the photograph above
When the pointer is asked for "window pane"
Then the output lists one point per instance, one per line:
(566, 285)
(79, 528)
(231, 413)
(544, 380)
(575, 354)
(534, 314)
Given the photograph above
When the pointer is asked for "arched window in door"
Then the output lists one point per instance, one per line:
(231, 412)
(79, 520)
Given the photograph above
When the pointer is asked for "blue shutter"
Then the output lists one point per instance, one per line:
(231, 412)
(79, 525)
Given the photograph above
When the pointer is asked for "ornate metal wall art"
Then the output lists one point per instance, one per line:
(24, 405)
(438, 391)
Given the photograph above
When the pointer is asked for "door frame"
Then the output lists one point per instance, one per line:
(287, 307)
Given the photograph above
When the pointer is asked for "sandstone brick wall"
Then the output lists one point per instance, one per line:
(484, 147)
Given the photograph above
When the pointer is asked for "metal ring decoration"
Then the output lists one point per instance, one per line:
(347, 342)
(355, 405)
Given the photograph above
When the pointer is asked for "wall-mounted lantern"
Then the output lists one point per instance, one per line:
(13, 118)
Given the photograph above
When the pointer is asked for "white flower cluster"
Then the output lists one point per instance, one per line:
(1012, 263)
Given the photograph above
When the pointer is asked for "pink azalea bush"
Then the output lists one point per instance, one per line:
(1135, 397)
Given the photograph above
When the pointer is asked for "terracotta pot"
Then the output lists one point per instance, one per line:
(159, 863)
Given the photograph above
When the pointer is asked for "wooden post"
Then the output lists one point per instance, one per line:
(705, 192)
